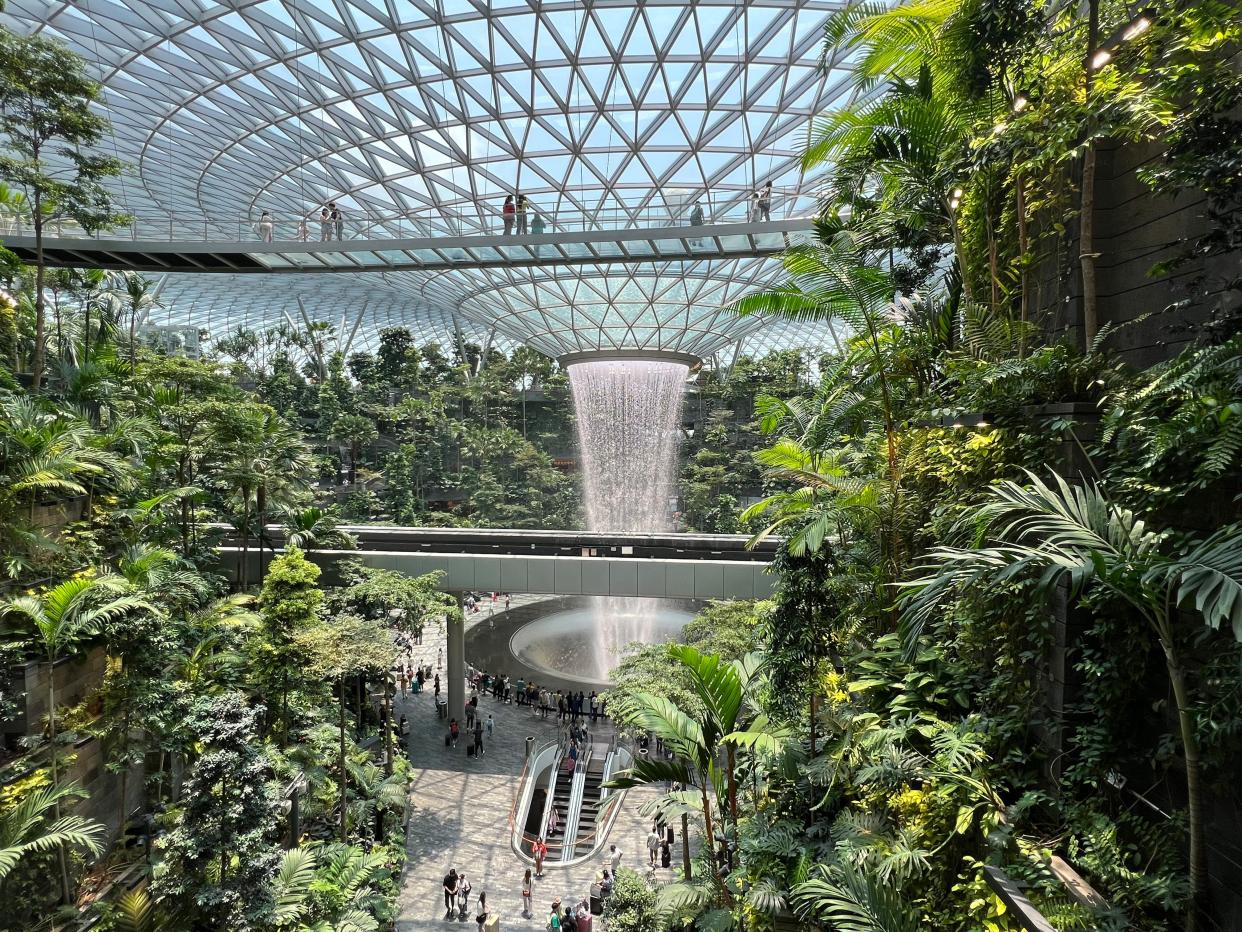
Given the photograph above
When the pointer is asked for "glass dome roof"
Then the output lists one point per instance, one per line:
(400, 108)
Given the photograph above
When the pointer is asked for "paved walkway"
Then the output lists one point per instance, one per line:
(460, 812)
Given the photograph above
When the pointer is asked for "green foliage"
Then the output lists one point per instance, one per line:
(288, 607)
(33, 825)
(725, 629)
(632, 904)
(219, 857)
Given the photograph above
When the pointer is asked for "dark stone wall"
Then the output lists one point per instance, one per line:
(1135, 229)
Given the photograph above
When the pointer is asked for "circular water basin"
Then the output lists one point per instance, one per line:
(584, 644)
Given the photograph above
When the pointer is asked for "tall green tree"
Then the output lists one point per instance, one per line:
(336, 650)
(222, 855)
(289, 605)
(49, 128)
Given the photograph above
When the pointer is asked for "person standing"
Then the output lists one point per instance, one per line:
(763, 203)
(478, 736)
(454, 731)
(325, 225)
(614, 858)
(440, 660)
(521, 215)
(450, 891)
(653, 845)
(490, 726)
(528, 895)
(482, 914)
(463, 895)
(540, 851)
(594, 707)
(338, 221)
(554, 917)
(265, 226)
(509, 213)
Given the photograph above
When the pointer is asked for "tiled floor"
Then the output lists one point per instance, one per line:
(460, 814)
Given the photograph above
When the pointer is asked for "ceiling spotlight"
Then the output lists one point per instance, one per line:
(1020, 103)
(1101, 58)
(953, 204)
(957, 192)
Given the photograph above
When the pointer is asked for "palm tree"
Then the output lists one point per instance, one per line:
(138, 912)
(264, 458)
(1049, 534)
(25, 828)
(314, 527)
(827, 283)
(59, 620)
(44, 453)
(850, 901)
(347, 872)
(139, 296)
(162, 575)
(698, 744)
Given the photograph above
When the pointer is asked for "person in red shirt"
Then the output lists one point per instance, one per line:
(540, 851)
(509, 212)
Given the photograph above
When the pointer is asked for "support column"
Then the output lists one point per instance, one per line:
(455, 669)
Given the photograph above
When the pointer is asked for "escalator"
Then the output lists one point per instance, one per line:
(588, 816)
(560, 802)
(584, 806)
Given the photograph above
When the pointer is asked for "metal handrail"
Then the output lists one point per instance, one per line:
(482, 219)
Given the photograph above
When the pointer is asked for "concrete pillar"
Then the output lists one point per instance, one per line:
(455, 671)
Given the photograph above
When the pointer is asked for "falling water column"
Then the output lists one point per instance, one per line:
(629, 417)
(629, 414)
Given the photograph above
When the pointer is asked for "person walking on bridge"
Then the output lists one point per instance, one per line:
(521, 215)
(763, 203)
(509, 214)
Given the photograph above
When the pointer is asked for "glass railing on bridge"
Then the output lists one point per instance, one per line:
(689, 209)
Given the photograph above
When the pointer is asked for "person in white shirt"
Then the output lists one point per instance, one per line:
(653, 846)
(614, 858)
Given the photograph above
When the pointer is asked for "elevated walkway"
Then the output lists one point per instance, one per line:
(662, 566)
(177, 249)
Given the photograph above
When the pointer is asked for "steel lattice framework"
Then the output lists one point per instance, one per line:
(399, 108)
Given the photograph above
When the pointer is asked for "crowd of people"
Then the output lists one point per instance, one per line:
(577, 714)
(567, 705)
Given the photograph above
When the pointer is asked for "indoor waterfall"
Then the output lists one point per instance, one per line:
(629, 418)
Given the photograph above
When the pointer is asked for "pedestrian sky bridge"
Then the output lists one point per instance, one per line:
(190, 247)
